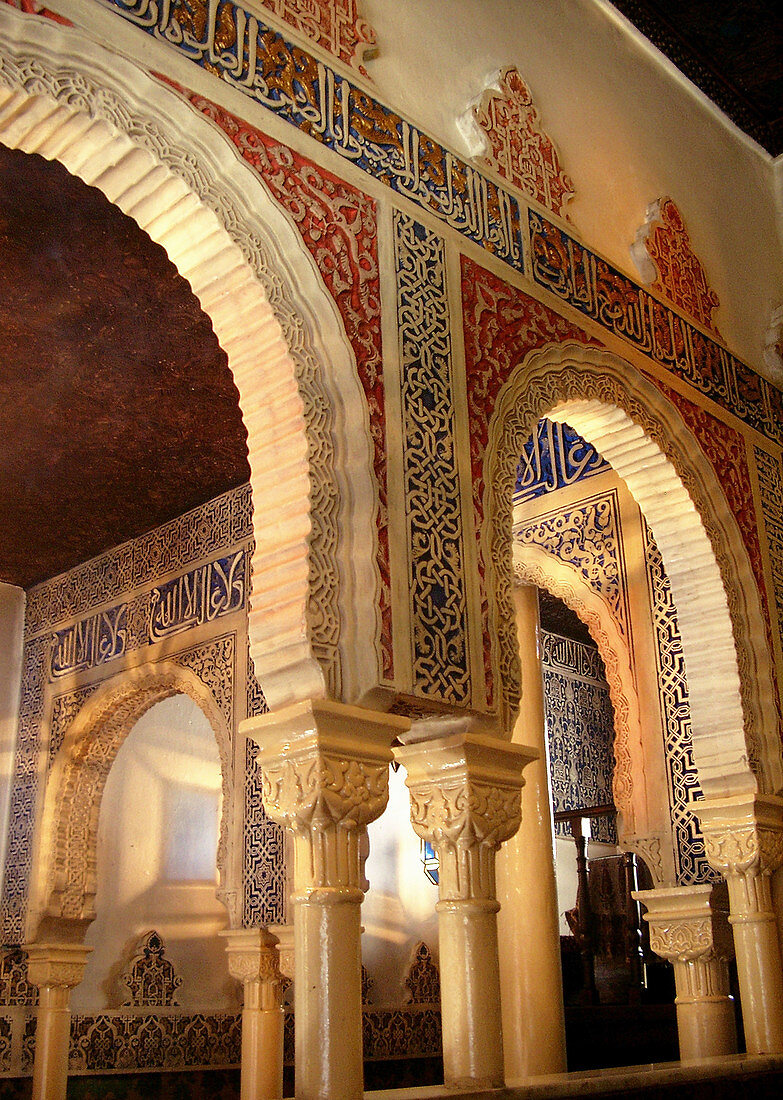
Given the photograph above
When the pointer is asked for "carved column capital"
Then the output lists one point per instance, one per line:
(466, 801)
(253, 960)
(685, 925)
(56, 966)
(325, 776)
(743, 839)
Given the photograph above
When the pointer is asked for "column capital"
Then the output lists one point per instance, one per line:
(56, 965)
(466, 801)
(743, 834)
(325, 776)
(252, 954)
(685, 925)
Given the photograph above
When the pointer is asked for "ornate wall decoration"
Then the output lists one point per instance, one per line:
(731, 686)
(150, 976)
(553, 457)
(580, 729)
(664, 255)
(6, 1029)
(410, 1032)
(335, 25)
(264, 870)
(519, 149)
(423, 980)
(213, 664)
(347, 258)
(501, 325)
(236, 46)
(588, 283)
(588, 538)
(683, 781)
(116, 1041)
(771, 486)
(64, 710)
(15, 988)
(431, 478)
(773, 346)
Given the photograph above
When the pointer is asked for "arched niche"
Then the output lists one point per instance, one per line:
(643, 824)
(314, 578)
(63, 901)
(643, 437)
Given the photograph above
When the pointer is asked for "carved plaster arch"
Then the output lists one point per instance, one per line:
(66, 879)
(638, 830)
(640, 433)
(164, 164)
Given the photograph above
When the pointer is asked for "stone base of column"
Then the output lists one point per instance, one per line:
(695, 937)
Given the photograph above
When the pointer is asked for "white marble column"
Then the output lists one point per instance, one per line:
(531, 980)
(325, 776)
(743, 836)
(253, 960)
(696, 939)
(465, 800)
(55, 969)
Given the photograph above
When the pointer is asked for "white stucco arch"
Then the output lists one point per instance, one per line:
(642, 435)
(64, 886)
(64, 96)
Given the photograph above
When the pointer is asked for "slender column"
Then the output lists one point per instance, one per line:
(325, 776)
(252, 960)
(465, 800)
(55, 969)
(696, 939)
(743, 837)
(531, 980)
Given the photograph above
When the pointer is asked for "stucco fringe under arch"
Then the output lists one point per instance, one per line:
(66, 883)
(736, 741)
(642, 828)
(166, 166)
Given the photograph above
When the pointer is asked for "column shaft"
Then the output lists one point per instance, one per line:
(758, 962)
(531, 978)
(55, 969)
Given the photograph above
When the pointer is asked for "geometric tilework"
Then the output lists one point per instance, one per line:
(264, 869)
(580, 731)
(771, 486)
(431, 479)
(553, 457)
(588, 537)
(684, 787)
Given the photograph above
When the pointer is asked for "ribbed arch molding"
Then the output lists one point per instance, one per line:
(166, 166)
(735, 727)
(66, 881)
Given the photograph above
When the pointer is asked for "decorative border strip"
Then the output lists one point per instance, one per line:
(233, 44)
(771, 486)
(438, 602)
(587, 282)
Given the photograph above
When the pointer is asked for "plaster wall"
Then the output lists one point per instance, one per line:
(157, 846)
(11, 641)
(628, 127)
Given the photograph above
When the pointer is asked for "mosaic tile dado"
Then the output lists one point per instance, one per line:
(598, 290)
(438, 605)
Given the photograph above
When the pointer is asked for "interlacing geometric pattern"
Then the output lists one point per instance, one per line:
(264, 868)
(771, 486)
(150, 977)
(432, 492)
(580, 730)
(589, 538)
(684, 787)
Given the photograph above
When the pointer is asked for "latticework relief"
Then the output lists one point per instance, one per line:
(518, 147)
(150, 978)
(432, 493)
(213, 664)
(580, 729)
(15, 989)
(122, 1041)
(335, 25)
(771, 486)
(423, 979)
(264, 874)
(589, 538)
(683, 781)
(553, 457)
(666, 260)
(64, 710)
